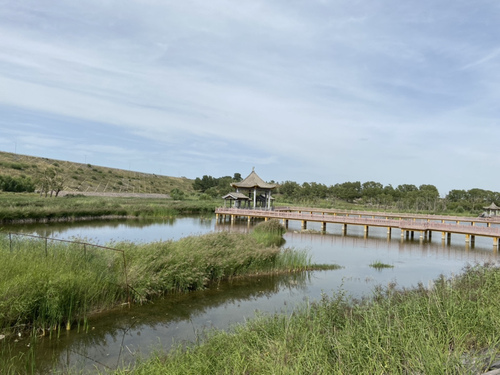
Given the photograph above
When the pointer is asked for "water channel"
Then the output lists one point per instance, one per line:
(119, 337)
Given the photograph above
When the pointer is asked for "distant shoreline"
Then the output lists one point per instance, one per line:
(110, 194)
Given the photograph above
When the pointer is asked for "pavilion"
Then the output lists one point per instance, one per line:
(252, 192)
(492, 209)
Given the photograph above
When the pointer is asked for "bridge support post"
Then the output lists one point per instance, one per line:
(266, 219)
(472, 238)
(389, 230)
(304, 224)
(448, 237)
(467, 238)
(430, 234)
(366, 230)
(403, 233)
(249, 220)
(216, 218)
(412, 234)
(233, 218)
(344, 229)
(323, 227)
(495, 242)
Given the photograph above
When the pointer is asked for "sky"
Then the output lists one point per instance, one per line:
(397, 92)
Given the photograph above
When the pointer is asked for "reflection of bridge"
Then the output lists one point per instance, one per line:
(407, 223)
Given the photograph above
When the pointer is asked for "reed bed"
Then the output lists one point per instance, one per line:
(195, 262)
(451, 328)
(30, 207)
(43, 286)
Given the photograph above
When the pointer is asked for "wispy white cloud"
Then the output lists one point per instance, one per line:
(324, 91)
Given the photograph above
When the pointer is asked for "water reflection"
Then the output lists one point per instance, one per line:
(116, 338)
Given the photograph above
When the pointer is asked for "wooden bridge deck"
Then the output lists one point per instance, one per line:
(407, 223)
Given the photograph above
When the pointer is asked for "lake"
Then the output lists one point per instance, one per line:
(121, 336)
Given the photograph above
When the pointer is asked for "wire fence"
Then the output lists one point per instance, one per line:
(85, 247)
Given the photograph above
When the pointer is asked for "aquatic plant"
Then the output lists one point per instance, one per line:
(379, 265)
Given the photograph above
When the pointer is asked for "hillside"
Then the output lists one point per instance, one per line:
(87, 178)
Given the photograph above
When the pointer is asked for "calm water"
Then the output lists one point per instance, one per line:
(119, 337)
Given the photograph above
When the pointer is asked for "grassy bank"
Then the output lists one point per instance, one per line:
(452, 328)
(49, 285)
(16, 207)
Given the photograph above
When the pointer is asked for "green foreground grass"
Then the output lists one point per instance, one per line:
(451, 328)
(48, 285)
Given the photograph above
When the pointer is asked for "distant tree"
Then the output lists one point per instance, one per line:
(206, 182)
(348, 191)
(289, 189)
(237, 177)
(457, 195)
(406, 188)
(50, 181)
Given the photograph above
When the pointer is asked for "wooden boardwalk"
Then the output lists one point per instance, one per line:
(407, 223)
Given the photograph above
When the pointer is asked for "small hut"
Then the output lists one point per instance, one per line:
(492, 209)
(237, 200)
(252, 192)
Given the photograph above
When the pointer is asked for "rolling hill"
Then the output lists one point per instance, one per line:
(87, 178)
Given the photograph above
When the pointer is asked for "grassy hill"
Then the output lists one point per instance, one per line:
(87, 178)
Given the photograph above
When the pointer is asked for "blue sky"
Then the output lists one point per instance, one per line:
(398, 92)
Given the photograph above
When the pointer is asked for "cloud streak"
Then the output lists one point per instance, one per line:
(304, 91)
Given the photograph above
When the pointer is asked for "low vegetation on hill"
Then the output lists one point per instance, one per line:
(27, 173)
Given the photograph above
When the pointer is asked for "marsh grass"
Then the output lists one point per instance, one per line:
(195, 262)
(48, 286)
(453, 328)
(269, 233)
(30, 207)
(379, 265)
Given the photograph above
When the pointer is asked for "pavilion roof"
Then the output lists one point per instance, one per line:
(235, 196)
(253, 181)
(492, 206)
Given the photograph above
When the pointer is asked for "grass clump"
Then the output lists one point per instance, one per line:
(379, 265)
(269, 232)
(452, 328)
(195, 262)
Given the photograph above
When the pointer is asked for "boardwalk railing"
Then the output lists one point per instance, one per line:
(406, 222)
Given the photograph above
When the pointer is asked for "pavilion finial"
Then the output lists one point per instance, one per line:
(253, 169)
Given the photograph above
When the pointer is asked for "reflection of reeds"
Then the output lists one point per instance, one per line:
(449, 329)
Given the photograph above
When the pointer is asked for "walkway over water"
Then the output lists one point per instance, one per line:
(407, 223)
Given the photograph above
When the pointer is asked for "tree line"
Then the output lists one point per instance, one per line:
(215, 187)
(404, 197)
(425, 197)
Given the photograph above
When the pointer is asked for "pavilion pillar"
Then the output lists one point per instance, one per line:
(254, 198)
